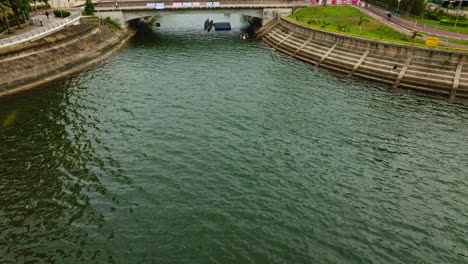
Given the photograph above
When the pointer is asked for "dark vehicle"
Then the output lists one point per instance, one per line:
(222, 26)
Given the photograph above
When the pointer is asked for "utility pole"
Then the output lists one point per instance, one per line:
(458, 13)
(398, 7)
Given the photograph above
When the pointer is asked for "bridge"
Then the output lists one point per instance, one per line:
(125, 11)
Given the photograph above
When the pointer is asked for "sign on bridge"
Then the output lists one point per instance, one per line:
(183, 4)
(338, 2)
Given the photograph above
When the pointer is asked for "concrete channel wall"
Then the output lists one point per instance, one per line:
(65, 51)
(431, 70)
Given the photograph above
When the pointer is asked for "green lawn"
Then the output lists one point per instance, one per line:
(443, 39)
(328, 11)
(373, 28)
(436, 24)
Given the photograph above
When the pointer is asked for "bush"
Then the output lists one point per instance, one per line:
(61, 13)
(88, 8)
(437, 14)
(112, 23)
(12, 24)
(47, 6)
(450, 22)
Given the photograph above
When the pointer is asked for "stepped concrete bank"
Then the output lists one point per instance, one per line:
(431, 70)
(57, 55)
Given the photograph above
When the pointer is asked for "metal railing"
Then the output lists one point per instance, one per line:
(37, 33)
(107, 4)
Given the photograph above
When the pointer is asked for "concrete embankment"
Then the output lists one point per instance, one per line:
(424, 69)
(62, 53)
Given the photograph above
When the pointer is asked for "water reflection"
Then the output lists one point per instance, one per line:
(49, 173)
(196, 147)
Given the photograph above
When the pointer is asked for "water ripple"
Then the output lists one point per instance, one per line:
(196, 147)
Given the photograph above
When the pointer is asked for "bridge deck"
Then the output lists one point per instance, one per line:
(143, 5)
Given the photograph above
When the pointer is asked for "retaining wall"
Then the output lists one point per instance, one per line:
(424, 69)
(31, 64)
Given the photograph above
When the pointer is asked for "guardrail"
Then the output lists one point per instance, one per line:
(202, 3)
(38, 33)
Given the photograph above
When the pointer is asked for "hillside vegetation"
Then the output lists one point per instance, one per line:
(346, 19)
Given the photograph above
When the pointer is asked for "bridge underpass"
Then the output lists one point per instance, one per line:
(125, 11)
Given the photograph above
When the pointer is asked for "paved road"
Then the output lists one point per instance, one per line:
(407, 26)
(418, 27)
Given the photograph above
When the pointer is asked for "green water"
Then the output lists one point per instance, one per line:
(195, 147)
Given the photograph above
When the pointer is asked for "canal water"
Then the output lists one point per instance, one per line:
(196, 147)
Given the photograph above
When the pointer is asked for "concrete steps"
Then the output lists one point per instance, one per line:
(392, 64)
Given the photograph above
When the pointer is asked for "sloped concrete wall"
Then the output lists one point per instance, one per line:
(270, 14)
(424, 69)
(31, 64)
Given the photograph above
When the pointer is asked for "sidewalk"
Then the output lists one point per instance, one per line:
(407, 27)
(27, 28)
(36, 31)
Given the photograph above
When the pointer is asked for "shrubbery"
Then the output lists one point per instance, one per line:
(436, 14)
(440, 14)
(410, 7)
(451, 22)
(112, 23)
(12, 24)
(88, 8)
(61, 13)
(46, 6)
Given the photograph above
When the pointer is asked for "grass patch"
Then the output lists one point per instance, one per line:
(370, 29)
(436, 24)
(111, 23)
(443, 39)
(419, 43)
(325, 12)
(345, 20)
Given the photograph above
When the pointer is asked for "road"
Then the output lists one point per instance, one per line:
(407, 26)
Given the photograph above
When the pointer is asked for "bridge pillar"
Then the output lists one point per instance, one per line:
(116, 15)
(270, 14)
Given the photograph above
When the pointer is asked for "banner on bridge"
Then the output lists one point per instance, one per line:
(337, 2)
(155, 5)
(211, 4)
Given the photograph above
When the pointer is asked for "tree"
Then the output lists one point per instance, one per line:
(324, 24)
(415, 35)
(458, 13)
(343, 28)
(415, 7)
(14, 9)
(382, 29)
(311, 22)
(5, 12)
(89, 8)
(362, 20)
(18, 6)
